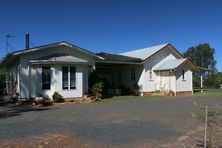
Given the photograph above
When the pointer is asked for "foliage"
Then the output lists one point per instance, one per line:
(94, 78)
(97, 90)
(196, 81)
(57, 97)
(213, 80)
(214, 118)
(2, 81)
(202, 55)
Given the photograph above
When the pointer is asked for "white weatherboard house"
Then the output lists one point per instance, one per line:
(65, 68)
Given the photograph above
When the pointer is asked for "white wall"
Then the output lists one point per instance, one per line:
(27, 81)
(155, 61)
(187, 84)
(56, 82)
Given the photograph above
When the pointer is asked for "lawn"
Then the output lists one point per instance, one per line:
(206, 93)
(209, 92)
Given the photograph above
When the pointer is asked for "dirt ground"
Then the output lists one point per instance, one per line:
(159, 122)
(192, 139)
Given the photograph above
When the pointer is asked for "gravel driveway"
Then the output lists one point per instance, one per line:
(119, 123)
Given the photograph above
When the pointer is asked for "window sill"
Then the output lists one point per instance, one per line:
(68, 89)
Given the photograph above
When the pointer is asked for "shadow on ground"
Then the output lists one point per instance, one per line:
(10, 110)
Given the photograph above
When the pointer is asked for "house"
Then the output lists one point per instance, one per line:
(65, 68)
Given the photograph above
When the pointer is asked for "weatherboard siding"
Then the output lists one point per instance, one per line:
(155, 61)
(30, 85)
(184, 85)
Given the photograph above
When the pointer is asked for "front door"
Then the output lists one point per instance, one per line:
(165, 80)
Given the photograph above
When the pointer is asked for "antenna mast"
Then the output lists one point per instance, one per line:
(7, 45)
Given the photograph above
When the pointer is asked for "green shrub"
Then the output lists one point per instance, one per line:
(57, 97)
(97, 90)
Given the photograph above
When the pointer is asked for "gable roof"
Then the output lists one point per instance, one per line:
(174, 64)
(171, 64)
(19, 52)
(144, 52)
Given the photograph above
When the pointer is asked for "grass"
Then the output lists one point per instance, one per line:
(209, 92)
(119, 99)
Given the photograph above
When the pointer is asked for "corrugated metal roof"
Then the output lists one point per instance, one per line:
(18, 52)
(144, 52)
(59, 58)
(171, 64)
(116, 57)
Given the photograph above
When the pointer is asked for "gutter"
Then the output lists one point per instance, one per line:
(120, 62)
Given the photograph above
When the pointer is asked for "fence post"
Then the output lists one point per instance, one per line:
(205, 134)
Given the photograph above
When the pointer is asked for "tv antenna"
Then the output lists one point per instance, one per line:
(7, 44)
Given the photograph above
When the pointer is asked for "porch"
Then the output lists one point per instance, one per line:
(165, 83)
(120, 74)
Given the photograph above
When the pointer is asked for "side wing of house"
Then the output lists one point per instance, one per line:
(61, 68)
(165, 70)
(153, 79)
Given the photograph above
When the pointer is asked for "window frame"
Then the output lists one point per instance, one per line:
(183, 75)
(44, 85)
(70, 85)
(69, 81)
(63, 74)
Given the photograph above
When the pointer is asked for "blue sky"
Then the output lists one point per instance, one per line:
(113, 25)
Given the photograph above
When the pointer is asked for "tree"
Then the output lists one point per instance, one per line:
(202, 55)
(213, 80)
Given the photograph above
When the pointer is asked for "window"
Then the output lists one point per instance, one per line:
(133, 74)
(68, 77)
(65, 78)
(72, 78)
(151, 74)
(46, 78)
(183, 74)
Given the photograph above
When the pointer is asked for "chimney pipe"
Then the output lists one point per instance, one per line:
(27, 40)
